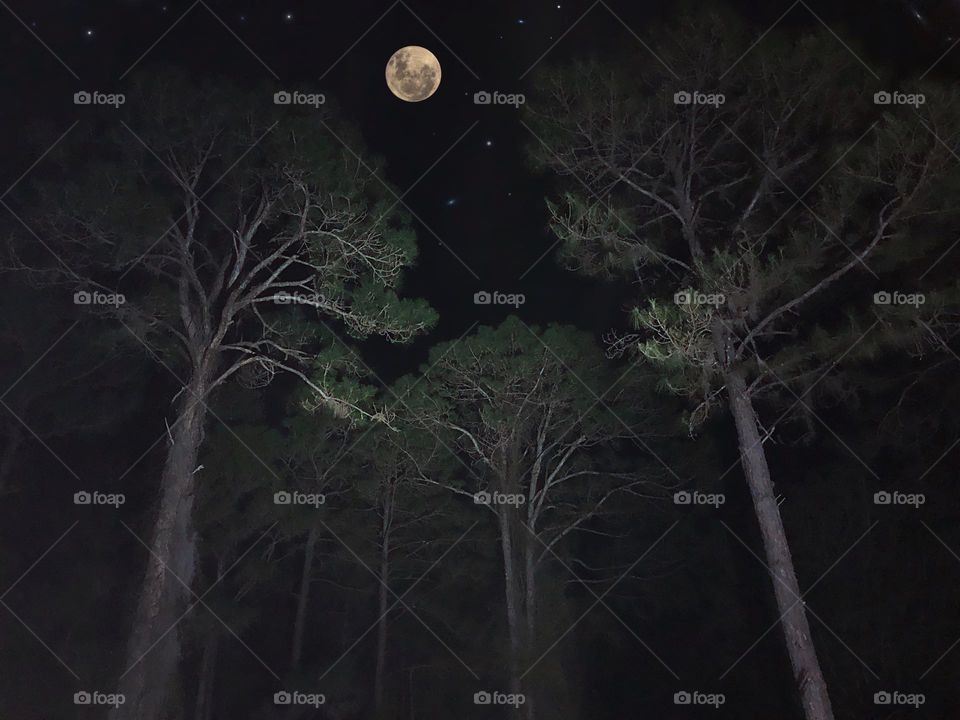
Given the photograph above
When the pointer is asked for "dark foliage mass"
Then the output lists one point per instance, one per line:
(264, 454)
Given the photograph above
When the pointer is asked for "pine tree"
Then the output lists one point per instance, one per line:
(526, 413)
(224, 232)
(754, 195)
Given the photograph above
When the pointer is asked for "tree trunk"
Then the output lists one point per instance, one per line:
(208, 667)
(512, 592)
(509, 473)
(530, 607)
(303, 599)
(150, 679)
(382, 618)
(803, 656)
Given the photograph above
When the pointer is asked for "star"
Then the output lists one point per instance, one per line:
(521, 21)
(451, 202)
(88, 32)
(489, 143)
(288, 17)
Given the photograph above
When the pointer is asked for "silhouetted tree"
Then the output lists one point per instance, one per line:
(222, 219)
(743, 189)
(527, 412)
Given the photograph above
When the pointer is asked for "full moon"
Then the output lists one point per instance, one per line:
(413, 73)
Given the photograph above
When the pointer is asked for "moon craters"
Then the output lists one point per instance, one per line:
(413, 73)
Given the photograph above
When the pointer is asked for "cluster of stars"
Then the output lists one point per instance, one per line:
(523, 21)
(90, 33)
(288, 17)
(452, 202)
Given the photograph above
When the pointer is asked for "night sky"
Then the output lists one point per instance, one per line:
(465, 175)
(460, 169)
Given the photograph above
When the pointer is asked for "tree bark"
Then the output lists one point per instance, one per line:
(509, 475)
(303, 600)
(796, 630)
(208, 667)
(382, 617)
(150, 679)
(529, 609)
(514, 625)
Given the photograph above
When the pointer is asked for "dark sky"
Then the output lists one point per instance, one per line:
(460, 167)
